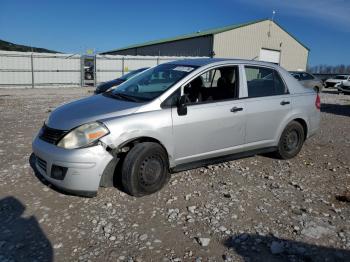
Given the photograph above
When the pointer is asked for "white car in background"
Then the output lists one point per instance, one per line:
(344, 86)
(332, 82)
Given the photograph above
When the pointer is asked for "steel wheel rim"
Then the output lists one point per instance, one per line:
(291, 140)
(151, 170)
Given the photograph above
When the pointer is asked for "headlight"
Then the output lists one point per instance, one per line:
(83, 135)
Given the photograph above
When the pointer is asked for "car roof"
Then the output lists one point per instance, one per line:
(297, 72)
(206, 61)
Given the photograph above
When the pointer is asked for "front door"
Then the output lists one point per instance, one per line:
(215, 119)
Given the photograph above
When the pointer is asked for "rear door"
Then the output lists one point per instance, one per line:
(267, 104)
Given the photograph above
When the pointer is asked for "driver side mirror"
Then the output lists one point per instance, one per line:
(181, 105)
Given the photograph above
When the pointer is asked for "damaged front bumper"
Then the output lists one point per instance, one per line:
(76, 171)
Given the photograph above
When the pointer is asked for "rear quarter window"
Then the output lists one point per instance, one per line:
(263, 81)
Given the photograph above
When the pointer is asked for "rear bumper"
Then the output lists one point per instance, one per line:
(84, 166)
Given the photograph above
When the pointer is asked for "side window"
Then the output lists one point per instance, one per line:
(310, 77)
(303, 76)
(306, 76)
(264, 82)
(214, 85)
(172, 99)
(296, 76)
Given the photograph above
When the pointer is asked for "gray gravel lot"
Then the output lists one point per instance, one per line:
(254, 209)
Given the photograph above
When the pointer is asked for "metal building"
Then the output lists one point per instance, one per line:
(260, 40)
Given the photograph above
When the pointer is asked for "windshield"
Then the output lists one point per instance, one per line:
(152, 83)
(340, 77)
(131, 74)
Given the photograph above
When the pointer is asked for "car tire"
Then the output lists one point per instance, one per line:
(291, 141)
(88, 76)
(145, 169)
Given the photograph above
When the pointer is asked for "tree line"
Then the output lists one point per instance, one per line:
(328, 69)
(8, 46)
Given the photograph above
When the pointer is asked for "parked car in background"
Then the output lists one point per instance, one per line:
(332, 82)
(105, 86)
(89, 72)
(172, 117)
(344, 86)
(308, 80)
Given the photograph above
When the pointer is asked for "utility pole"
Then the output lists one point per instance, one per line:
(32, 66)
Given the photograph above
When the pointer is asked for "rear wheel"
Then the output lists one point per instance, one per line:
(145, 169)
(291, 141)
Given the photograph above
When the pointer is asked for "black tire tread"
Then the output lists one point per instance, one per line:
(280, 153)
(129, 181)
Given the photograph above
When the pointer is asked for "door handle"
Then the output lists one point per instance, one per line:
(285, 103)
(236, 109)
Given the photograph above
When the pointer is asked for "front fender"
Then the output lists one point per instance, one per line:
(156, 125)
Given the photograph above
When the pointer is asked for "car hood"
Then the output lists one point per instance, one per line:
(89, 109)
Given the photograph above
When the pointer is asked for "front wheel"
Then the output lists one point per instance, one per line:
(145, 169)
(291, 141)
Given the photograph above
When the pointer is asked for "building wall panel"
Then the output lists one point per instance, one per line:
(246, 42)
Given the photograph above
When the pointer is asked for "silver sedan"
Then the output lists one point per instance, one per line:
(172, 117)
(308, 80)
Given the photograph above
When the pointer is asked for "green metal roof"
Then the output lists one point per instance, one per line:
(198, 34)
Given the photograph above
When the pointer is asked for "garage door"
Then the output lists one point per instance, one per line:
(272, 56)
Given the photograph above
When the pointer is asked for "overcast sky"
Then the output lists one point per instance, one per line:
(74, 26)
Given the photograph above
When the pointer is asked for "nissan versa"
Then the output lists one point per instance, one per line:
(173, 117)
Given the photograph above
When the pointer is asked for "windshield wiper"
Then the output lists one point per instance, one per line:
(123, 97)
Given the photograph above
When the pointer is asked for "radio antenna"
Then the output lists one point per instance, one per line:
(272, 18)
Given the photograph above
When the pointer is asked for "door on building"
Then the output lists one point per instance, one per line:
(268, 55)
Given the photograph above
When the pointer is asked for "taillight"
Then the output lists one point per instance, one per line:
(318, 102)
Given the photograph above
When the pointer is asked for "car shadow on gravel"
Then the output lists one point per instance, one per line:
(21, 238)
(254, 247)
(336, 109)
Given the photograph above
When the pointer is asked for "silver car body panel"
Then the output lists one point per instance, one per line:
(208, 130)
(88, 109)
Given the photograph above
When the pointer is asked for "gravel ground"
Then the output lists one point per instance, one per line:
(253, 209)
